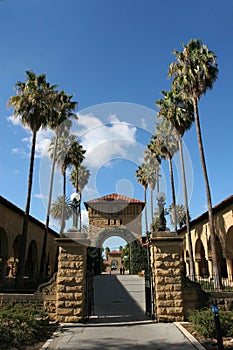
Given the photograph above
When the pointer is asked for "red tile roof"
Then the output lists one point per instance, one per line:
(114, 252)
(114, 197)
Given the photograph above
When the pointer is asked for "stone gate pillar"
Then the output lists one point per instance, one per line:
(166, 259)
(71, 280)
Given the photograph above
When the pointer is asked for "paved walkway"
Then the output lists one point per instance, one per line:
(119, 322)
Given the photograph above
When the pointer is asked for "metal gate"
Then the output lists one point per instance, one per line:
(149, 295)
(89, 296)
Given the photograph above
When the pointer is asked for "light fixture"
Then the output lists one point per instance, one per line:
(161, 197)
(75, 197)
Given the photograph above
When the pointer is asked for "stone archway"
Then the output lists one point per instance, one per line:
(117, 231)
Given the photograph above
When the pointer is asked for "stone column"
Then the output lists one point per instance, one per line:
(71, 278)
(167, 276)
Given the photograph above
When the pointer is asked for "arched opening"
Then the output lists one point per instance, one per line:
(31, 262)
(229, 252)
(220, 258)
(3, 253)
(113, 287)
(200, 258)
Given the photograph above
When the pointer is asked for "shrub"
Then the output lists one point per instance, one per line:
(203, 323)
(20, 325)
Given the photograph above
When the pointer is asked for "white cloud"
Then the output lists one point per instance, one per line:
(14, 120)
(105, 141)
(40, 196)
(20, 151)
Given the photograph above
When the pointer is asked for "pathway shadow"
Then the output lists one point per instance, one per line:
(113, 303)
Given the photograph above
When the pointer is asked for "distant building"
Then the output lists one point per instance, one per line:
(114, 260)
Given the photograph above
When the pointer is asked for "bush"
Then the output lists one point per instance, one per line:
(20, 325)
(203, 323)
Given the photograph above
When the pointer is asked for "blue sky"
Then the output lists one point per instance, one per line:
(113, 56)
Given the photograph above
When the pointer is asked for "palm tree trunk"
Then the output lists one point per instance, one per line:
(151, 204)
(46, 229)
(23, 242)
(216, 275)
(63, 204)
(173, 190)
(190, 247)
(146, 220)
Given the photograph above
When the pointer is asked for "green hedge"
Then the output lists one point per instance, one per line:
(203, 323)
(20, 326)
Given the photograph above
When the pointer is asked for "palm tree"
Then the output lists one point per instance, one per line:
(76, 158)
(179, 113)
(142, 175)
(63, 160)
(31, 106)
(164, 143)
(194, 72)
(61, 212)
(59, 120)
(83, 177)
(153, 163)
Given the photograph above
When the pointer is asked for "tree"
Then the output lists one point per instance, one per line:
(59, 120)
(63, 160)
(142, 175)
(61, 211)
(164, 144)
(181, 214)
(31, 105)
(152, 165)
(80, 174)
(180, 114)
(138, 257)
(194, 72)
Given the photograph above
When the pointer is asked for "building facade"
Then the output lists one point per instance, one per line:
(11, 223)
(200, 237)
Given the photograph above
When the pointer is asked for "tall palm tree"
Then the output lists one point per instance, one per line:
(59, 120)
(153, 163)
(83, 177)
(180, 114)
(142, 176)
(76, 158)
(164, 143)
(194, 72)
(31, 106)
(63, 160)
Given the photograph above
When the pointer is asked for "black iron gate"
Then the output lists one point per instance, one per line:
(149, 295)
(89, 296)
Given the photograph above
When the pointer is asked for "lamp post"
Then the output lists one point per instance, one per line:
(75, 198)
(161, 197)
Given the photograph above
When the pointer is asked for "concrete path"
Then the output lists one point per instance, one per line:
(119, 322)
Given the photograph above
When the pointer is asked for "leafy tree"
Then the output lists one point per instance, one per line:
(31, 105)
(194, 72)
(138, 257)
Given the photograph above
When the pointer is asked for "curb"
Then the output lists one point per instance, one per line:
(189, 336)
(53, 336)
